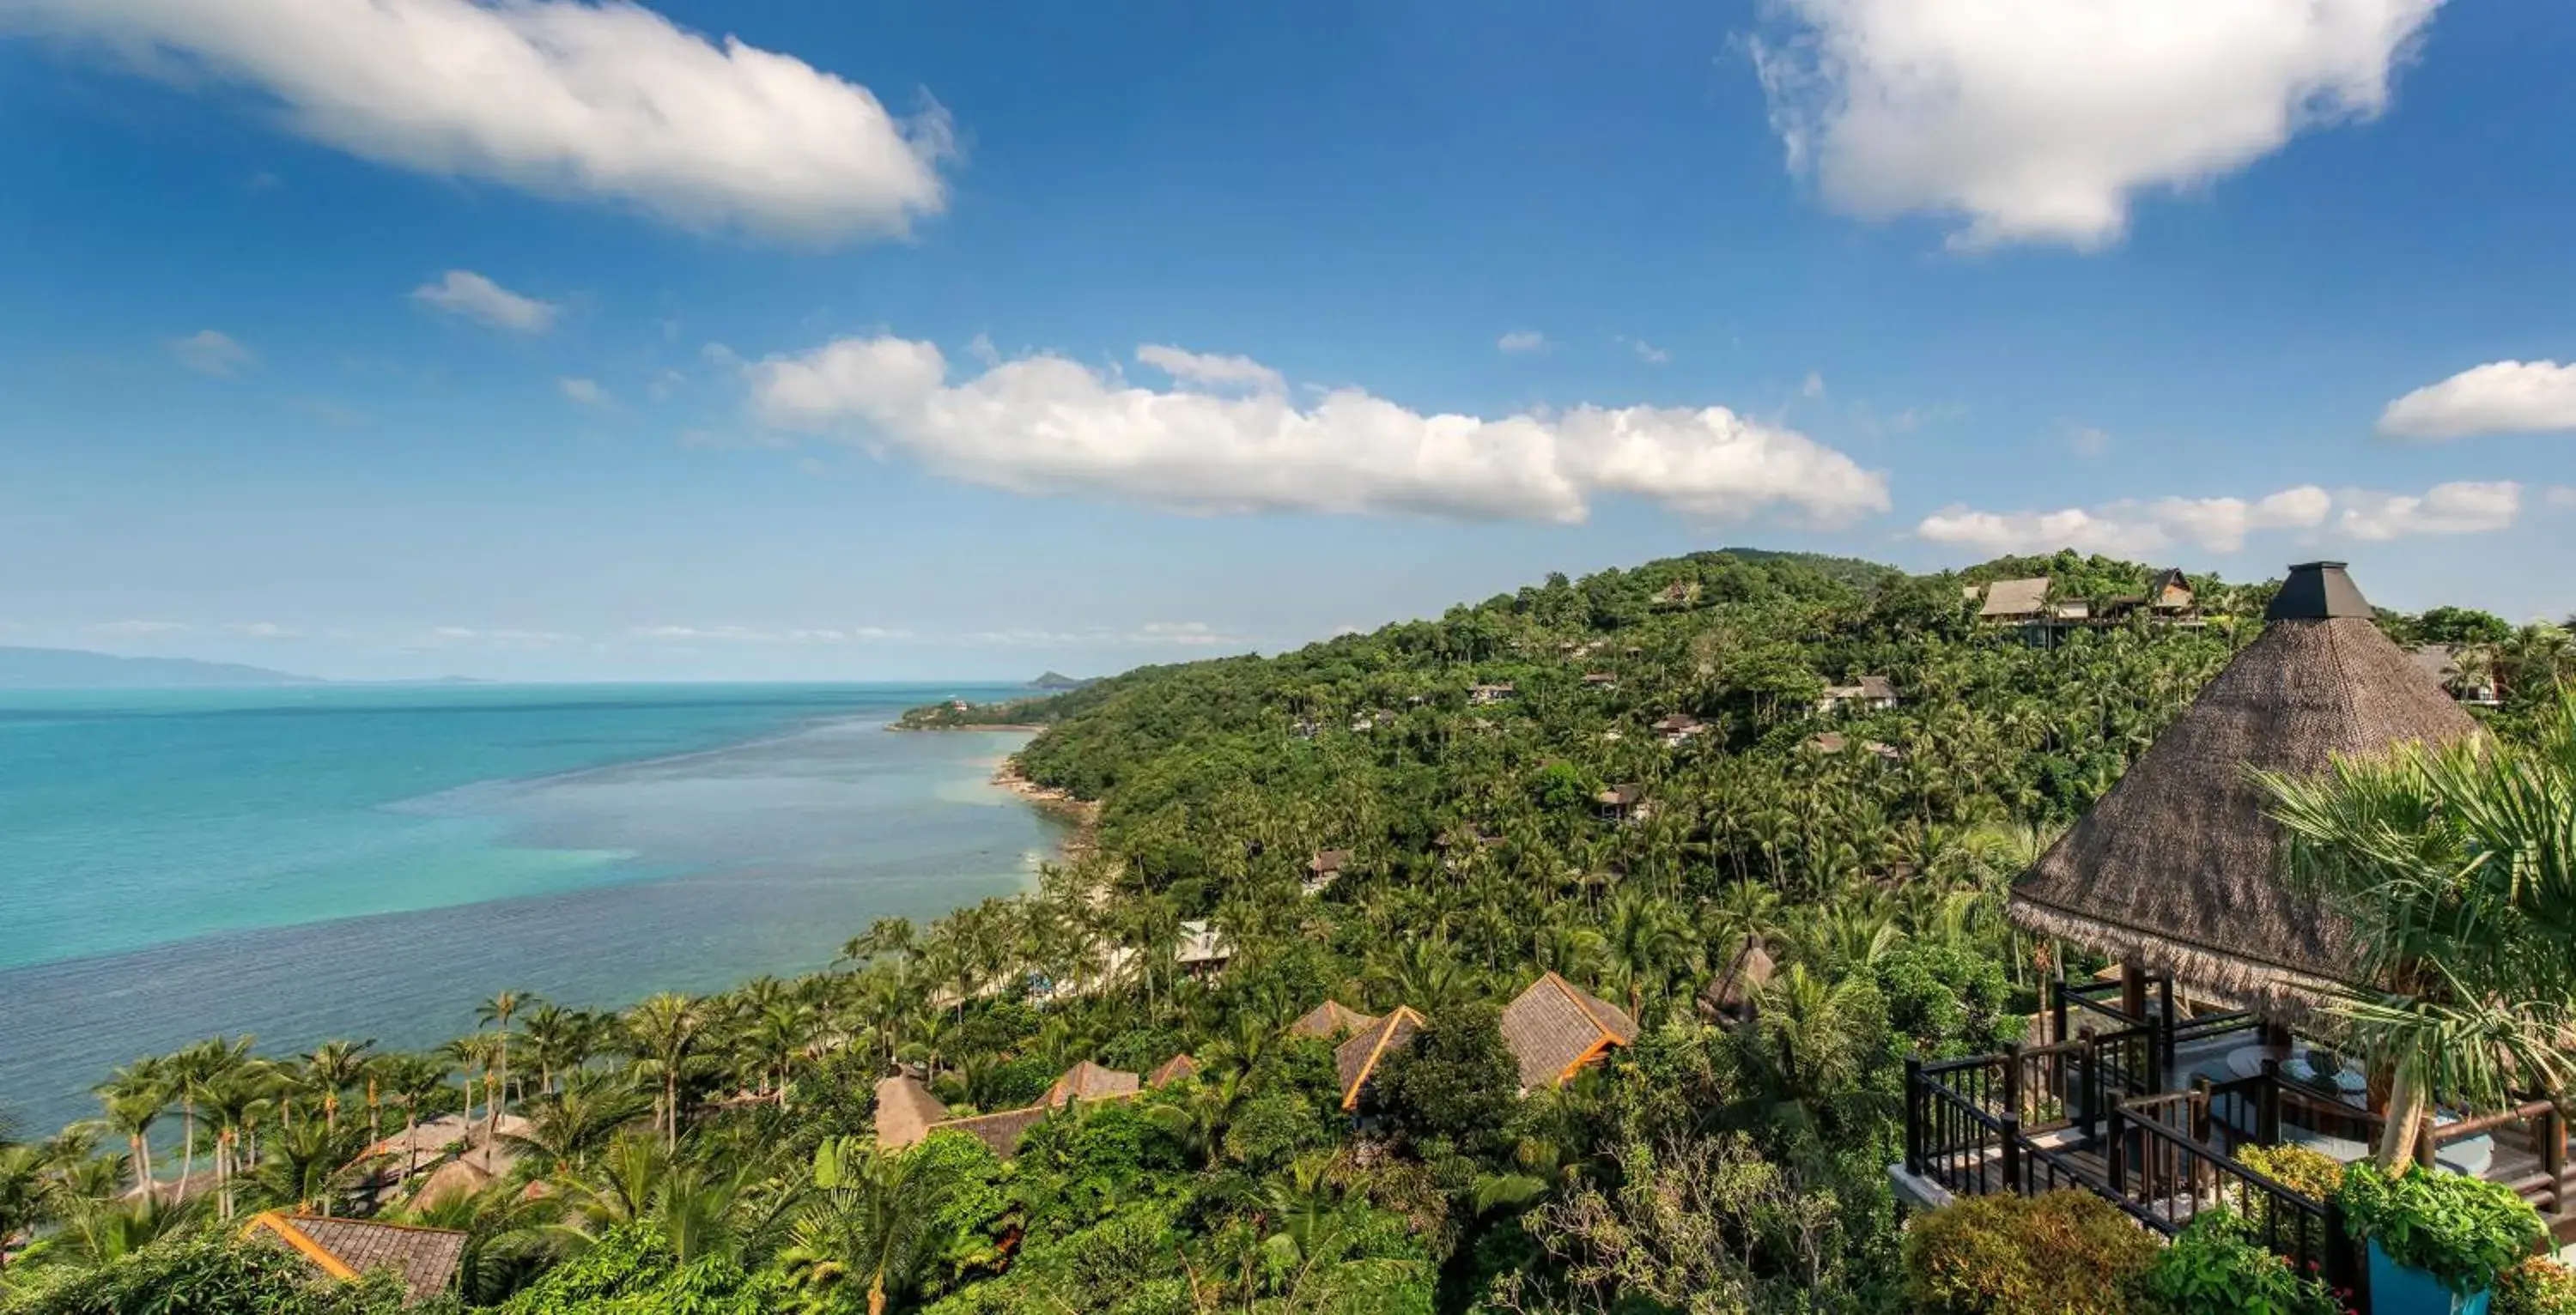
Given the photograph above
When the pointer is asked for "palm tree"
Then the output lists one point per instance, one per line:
(134, 1099)
(412, 1079)
(566, 1129)
(334, 1067)
(1642, 938)
(497, 1012)
(555, 1034)
(665, 1028)
(870, 1219)
(2457, 870)
(29, 1194)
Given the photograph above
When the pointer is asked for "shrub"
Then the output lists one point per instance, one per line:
(2461, 1231)
(2311, 1173)
(2536, 1287)
(2215, 1268)
(2065, 1253)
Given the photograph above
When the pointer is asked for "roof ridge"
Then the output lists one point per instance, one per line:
(305, 1244)
(1574, 996)
(1385, 1034)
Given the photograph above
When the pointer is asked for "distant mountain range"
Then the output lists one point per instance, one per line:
(1055, 680)
(70, 668)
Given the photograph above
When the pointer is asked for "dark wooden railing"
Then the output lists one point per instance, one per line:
(2542, 1125)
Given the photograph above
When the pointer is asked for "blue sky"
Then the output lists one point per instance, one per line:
(767, 339)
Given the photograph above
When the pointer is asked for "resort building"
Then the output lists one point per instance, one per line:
(1735, 993)
(1355, 1060)
(2469, 682)
(2015, 602)
(1203, 949)
(1325, 868)
(2147, 1084)
(1484, 694)
(1330, 1020)
(907, 1112)
(1554, 1028)
(1871, 693)
(425, 1259)
(1678, 729)
(1621, 803)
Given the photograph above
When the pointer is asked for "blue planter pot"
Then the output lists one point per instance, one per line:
(2397, 1289)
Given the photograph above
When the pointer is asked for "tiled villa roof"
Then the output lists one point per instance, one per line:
(1556, 1027)
(424, 1258)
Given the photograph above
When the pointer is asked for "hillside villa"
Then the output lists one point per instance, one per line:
(2144, 1086)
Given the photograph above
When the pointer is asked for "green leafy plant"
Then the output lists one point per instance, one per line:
(2462, 1231)
(2536, 1287)
(2216, 1268)
(2064, 1253)
(2311, 1173)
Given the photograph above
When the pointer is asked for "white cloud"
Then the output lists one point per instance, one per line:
(2463, 507)
(559, 97)
(2501, 397)
(2222, 525)
(266, 630)
(463, 292)
(751, 635)
(1195, 633)
(668, 383)
(1521, 341)
(1647, 352)
(2041, 120)
(209, 352)
(585, 391)
(1046, 425)
(137, 629)
(1216, 372)
(2089, 441)
(521, 639)
(1814, 386)
(2130, 528)
(2561, 495)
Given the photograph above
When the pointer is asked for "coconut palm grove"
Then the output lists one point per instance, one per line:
(1656, 941)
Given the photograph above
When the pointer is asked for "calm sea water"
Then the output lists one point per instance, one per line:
(370, 862)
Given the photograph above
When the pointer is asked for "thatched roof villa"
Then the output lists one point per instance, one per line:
(2178, 869)
(1355, 1061)
(1554, 1028)
(425, 1259)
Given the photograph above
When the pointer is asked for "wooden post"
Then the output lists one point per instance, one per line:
(2088, 1084)
(2133, 991)
(2119, 1153)
(2057, 1011)
(2267, 1105)
(2012, 1078)
(2200, 1108)
(2164, 1029)
(2012, 1153)
(1914, 1115)
(2553, 1156)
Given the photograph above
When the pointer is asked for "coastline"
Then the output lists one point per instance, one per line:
(1082, 814)
(1022, 728)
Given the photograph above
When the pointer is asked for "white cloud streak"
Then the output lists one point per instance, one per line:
(139, 629)
(470, 295)
(2042, 120)
(2462, 507)
(2222, 525)
(2500, 397)
(1043, 424)
(752, 635)
(1220, 373)
(557, 97)
(585, 391)
(1521, 342)
(210, 353)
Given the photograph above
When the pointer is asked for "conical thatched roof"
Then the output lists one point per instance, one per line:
(1732, 990)
(905, 1111)
(2178, 868)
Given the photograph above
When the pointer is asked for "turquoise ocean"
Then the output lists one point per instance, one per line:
(369, 862)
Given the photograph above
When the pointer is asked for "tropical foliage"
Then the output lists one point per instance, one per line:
(1659, 787)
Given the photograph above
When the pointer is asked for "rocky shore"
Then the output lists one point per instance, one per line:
(1084, 814)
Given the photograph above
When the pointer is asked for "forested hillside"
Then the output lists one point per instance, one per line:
(1760, 808)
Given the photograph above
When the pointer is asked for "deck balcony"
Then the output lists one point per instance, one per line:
(2149, 1110)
